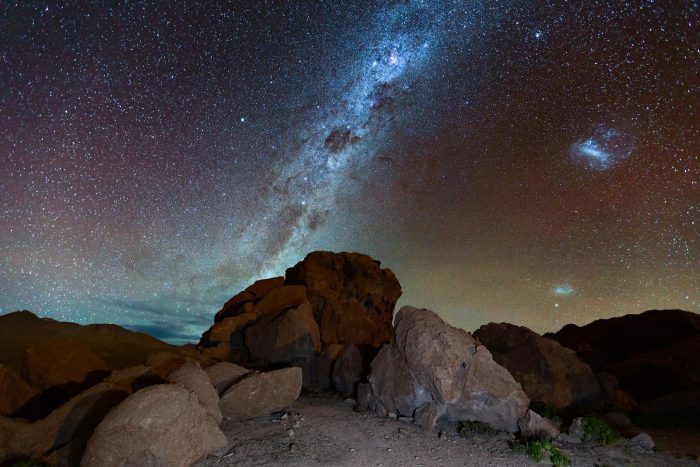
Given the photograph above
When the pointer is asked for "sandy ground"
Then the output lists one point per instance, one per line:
(327, 431)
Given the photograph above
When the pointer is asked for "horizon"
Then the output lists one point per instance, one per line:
(531, 164)
(180, 341)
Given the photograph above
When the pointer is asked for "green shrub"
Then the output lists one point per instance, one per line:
(541, 450)
(474, 427)
(597, 430)
(556, 457)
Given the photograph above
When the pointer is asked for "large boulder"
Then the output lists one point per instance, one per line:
(261, 394)
(352, 367)
(432, 364)
(62, 368)
(163, 363)
(15, 393)
(548, 372)
(191, 376)
(306, 319)
(353, 298)
(223, 374)
(291, 338)
(159, 425)
(60, 438)
(647, 353)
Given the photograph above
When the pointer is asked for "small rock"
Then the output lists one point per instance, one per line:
(349, 400)
(532, 425)
(617, 419)
(293, 447)
(296, 424)
(392, 415)
(576, 428)
(442, 435)
(643, 440)
(290, 432)
(284, 415)
(406, 419)
(566, 438)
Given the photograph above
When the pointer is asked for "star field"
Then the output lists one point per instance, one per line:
(530, 162)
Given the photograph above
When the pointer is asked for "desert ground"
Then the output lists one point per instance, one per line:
(325, 430)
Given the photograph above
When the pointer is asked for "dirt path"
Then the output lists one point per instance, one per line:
(326, 431)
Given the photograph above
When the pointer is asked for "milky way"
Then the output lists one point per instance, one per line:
(510, 161)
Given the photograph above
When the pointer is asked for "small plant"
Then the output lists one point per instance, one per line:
(541, 450)
(597, 430)
(547, 410)
(556, 457)
(475, 427)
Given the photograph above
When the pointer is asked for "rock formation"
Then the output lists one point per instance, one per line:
(261, 394)
(548, 372)
(436, 372)
(191, 377)
(325, 303)
(160, 425)
(15, 393)
(647, 353)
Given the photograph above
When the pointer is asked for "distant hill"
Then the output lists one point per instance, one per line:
(652, 354)
(118, 347)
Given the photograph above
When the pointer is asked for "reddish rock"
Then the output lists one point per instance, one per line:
(353, 299)
(220, 352)
(647, 353)
(234, 305)
(14, 391)
(278, 300)
(263, 286)
(164, 363)
(221, 331)
(548, 372)
(59, 362)
(291, 338)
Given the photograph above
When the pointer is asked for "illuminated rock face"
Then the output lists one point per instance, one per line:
(325, 303)
(352, 297)
(160, 425)
(432, 367)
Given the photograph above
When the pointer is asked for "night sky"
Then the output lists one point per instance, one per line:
(521, 161)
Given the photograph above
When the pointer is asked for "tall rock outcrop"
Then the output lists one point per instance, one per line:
(352, 297)
(306, 319)
(651, 354)
(548, 372)
(435, 372)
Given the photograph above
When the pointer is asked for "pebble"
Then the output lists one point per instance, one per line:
(296, 424)
(406, 419)
(442, 435)
(290, 432)
(393, 415)
(284, 415)
(350, 400)
(293, 447)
